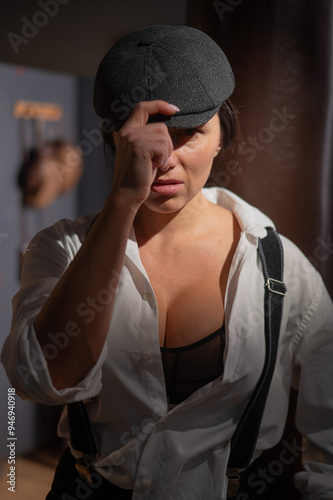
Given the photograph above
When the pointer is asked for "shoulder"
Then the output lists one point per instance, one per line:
(296, 264)
(308, 308)
(303, 280)
(250, 219)
(66, 233)
(298, 270)
(52, 249)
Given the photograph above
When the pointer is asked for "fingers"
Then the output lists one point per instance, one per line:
(164, 167)
(142, 148)
(143, 110)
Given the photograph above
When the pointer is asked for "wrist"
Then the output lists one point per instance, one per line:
(121, 200)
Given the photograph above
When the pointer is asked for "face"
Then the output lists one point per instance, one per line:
(189, 167)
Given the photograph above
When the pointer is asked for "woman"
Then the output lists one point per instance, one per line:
(153, 311)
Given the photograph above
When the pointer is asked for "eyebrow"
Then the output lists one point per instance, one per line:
(188, 128)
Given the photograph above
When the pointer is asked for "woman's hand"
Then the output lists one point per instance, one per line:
(141, 149)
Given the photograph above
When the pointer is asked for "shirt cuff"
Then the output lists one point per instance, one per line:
(29, 373)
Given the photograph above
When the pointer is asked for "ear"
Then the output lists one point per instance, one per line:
(218, 149)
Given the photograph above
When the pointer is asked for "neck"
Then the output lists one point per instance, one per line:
(171, 227)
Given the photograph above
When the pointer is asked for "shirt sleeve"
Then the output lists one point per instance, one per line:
(314, 415)
(47, 258)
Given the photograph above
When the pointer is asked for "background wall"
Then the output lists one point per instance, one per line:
(68, 37)
(96, 181)
(72, 35)
(26, 84)
(281, 52)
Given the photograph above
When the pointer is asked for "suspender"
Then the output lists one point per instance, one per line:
(245, 437)
(82, 438)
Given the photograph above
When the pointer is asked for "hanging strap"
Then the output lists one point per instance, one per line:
(80, 431)
(245, 437)
(81, 437)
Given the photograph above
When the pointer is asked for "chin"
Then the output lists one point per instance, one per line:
(165, 205)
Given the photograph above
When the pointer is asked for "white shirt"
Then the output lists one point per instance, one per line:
(182, 453)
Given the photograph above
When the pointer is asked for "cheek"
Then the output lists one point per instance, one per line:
(199, 168)
(203, 157)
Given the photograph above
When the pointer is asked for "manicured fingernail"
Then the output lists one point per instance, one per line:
(173, 107)
(165, 165)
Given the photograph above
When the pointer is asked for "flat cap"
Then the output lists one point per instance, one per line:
(178, 64)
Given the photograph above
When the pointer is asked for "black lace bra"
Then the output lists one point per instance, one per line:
(190, 367)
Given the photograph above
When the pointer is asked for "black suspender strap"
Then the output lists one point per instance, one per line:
(245, 437)
(81, 437)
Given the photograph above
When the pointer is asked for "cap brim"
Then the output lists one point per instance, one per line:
(185, 121)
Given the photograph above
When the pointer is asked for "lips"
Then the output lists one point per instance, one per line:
(167, 186)
(167, 181)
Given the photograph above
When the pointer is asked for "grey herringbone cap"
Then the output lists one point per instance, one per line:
(178, 64)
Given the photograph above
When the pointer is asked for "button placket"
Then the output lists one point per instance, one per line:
(147, 484)
(146, 296)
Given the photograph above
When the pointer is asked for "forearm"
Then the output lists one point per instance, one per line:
(141, 149)
(80, 306)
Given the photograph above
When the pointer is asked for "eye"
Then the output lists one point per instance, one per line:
(188, 132)
(181, 136)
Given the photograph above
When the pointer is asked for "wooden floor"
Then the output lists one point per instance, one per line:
(34, 474)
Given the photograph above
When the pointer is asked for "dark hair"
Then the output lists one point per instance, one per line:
(228, 115)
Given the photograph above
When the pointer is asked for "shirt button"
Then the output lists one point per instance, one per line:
(147, 484)
(147, 356)
(146, 296)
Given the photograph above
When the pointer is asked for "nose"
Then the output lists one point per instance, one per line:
(171, 161)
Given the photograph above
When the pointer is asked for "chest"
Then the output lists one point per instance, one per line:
(189, 289)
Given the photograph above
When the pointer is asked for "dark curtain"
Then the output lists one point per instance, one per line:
(281, 54)
(282, 57)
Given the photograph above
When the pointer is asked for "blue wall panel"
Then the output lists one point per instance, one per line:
(17, 83)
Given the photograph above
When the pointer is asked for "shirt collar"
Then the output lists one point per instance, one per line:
(250, 219)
